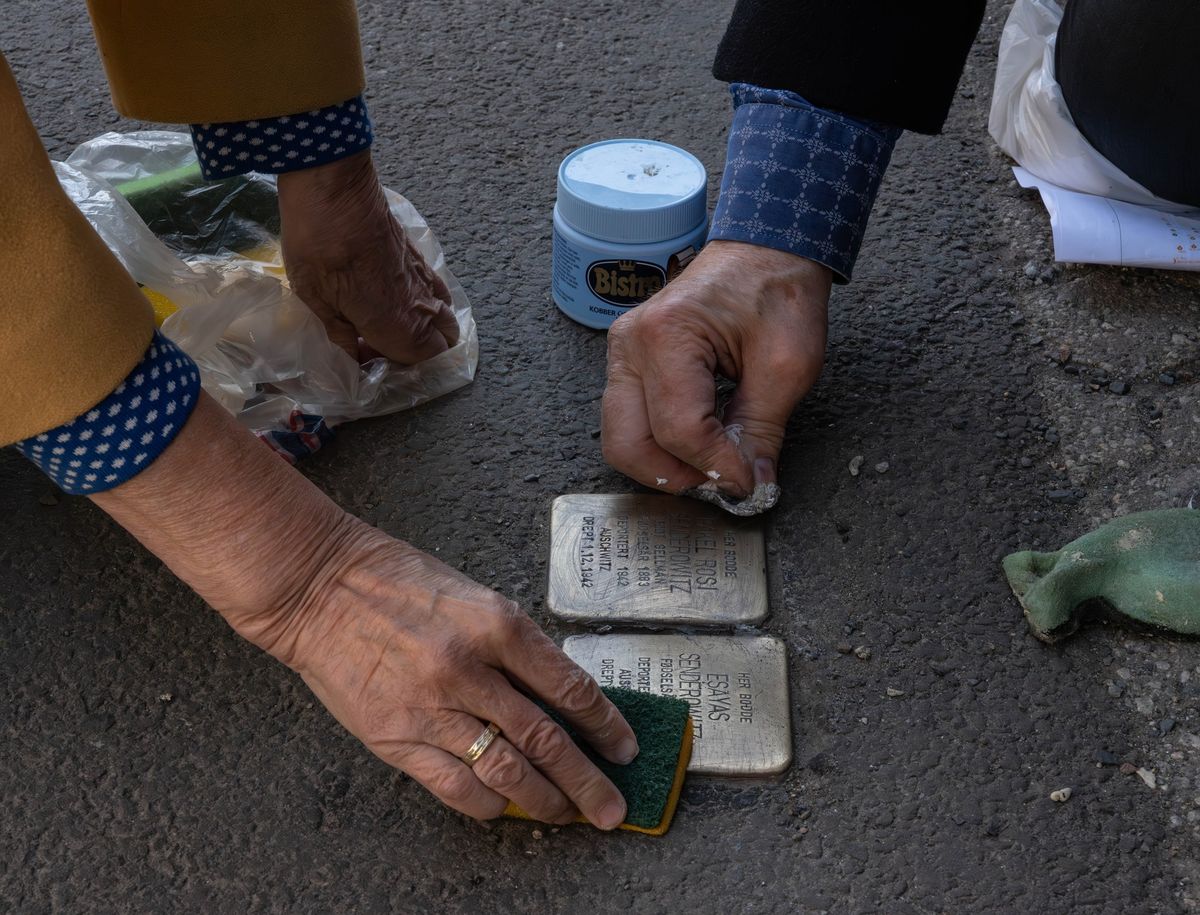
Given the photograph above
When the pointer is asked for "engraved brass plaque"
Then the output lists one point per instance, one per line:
(737, 688)
(654, 560)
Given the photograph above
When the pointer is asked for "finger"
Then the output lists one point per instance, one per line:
(451, 781)
(629, 445)
(546, 672)
(445, 321)
(505, 770)
(341, 332)
(761, 426)
(440, 289)
(773, 383)
(408, 334)
(681, 394)
(547, 746)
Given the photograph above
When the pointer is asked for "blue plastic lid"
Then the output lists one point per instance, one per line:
(632, 191)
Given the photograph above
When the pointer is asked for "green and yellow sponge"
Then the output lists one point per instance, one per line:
(651, 783)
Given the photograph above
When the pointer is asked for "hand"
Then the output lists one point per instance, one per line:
(412, 657)
(353, 265)
(753, 314)
(415, 659)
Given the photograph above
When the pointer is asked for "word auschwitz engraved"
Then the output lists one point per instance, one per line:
(735, 687)
(654, 559)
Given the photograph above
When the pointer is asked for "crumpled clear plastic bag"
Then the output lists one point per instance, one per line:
(1029, 118)
(212, 265)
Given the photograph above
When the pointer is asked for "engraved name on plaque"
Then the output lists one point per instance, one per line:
(654, 560)
(736, 687)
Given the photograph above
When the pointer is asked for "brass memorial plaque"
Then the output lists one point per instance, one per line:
(737, 688)
(654, 560)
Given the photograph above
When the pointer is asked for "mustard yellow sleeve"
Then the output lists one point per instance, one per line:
(72, 321)
(197, 61)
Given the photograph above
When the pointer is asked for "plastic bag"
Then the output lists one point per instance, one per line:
(1030, 120)
(212, 267)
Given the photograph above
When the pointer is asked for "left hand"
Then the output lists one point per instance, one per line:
(353, 265)
(752, 314)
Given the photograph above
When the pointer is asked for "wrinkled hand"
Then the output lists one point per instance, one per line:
(412, 657)
(415, 659)
(752, 314)
(353, 265)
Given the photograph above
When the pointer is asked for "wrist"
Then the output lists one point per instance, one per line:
(325, 184)
(311, 200)
(247, 532)
(755, 277)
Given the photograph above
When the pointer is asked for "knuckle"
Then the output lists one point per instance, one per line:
(502, 770)
(675, 433)
(509, 621)
(620, 329)
(579, 693)
(788, 370)
(547, 743)
(446, 663)
(440, 728)
(618, 453)
(453, 784)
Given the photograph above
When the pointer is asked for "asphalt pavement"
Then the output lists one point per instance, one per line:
(151, 761)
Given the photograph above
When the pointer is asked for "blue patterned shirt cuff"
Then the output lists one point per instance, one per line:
(122, 435)
(799, 178)
(283, 144)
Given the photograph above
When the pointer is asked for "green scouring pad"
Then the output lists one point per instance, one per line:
(652, 782)
(195, 216)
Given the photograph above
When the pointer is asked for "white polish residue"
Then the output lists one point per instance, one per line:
(734, 433)
(662, 481)
(712, 474)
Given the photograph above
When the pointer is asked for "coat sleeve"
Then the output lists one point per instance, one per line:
(72, 321)
(198, 61)
(879, 60)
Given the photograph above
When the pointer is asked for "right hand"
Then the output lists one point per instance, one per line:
(415, 659)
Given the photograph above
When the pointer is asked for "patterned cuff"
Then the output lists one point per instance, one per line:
(800, 178)
(283, 144)
(123, 434)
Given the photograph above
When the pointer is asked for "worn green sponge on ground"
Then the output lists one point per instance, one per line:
(1145, 566)
(652, 782)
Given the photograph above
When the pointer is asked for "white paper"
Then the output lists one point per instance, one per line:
(1097, 230)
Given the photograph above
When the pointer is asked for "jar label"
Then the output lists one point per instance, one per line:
(625, 283)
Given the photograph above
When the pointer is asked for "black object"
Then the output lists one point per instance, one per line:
(1126, 71)
(880, 60)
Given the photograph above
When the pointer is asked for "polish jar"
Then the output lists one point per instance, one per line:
(630, 215)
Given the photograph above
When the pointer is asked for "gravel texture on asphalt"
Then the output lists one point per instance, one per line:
(149, 760)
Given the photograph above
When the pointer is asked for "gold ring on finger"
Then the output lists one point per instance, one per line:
(482, 742)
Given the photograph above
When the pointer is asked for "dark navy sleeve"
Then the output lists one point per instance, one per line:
(283, 144)
(800, 178)
(123, 434)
